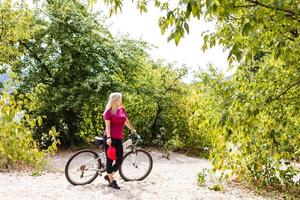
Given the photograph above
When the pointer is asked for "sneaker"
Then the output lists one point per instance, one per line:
(114, 185)
(106, 178)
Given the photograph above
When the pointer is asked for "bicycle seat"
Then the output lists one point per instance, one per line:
(98, 138)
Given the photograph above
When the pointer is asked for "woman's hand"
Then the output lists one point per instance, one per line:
(108, 141)
(133, 130)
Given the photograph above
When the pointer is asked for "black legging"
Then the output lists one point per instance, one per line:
(118, 144)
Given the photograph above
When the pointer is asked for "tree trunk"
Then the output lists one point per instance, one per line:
(71, 123)
(154, 124)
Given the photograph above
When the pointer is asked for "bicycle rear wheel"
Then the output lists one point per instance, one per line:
(82, 168)
(136, 165)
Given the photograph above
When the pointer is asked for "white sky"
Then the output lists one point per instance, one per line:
(145, 26)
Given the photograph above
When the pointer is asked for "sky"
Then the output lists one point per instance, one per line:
(145, 26)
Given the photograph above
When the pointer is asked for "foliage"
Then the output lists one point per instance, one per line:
(250, 134)
(74, 62)
(201, 177)
(71, 63)
(175, 143)
(16, 21)
(68, 61)
(217, 187)
(236, 20)
(15, 24)
(255, 120)
(208, 97)
(17, 147)
(155, 104)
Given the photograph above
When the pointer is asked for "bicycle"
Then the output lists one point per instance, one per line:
(88, 164)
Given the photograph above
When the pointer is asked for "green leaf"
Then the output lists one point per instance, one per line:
(186, 26)
(246, 28)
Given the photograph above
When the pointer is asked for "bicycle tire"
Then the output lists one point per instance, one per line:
(70, 160)
(142, 177)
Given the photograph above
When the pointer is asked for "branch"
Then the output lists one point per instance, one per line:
(291, 39)
(245, 6)
(170, 87)
(287, 89)
(291, 13)
(38, 59)
(288, 37)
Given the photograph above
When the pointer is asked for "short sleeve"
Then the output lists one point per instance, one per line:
(107, 115)
(124, 111)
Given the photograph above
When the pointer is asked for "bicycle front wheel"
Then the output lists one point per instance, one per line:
(136, 165)
(82, 168)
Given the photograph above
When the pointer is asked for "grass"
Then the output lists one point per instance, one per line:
(217, 187)
(201, 178)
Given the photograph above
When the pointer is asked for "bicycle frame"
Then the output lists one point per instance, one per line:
(128, 143)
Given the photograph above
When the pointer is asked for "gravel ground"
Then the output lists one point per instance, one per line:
(169, 179)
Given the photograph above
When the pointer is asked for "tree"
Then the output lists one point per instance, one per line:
(75, 62)
(15, 24)
(154, 100)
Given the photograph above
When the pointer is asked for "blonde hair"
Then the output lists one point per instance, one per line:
(115, 100)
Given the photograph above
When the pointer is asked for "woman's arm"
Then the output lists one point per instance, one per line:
(107, 130)
(128, 124)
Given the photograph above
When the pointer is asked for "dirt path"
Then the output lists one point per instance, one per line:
(169, 179)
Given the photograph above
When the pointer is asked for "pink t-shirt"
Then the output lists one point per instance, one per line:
(117, 122)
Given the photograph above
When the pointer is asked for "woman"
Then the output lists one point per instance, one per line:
(115, 118)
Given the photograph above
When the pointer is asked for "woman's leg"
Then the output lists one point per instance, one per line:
(109, 162)
(119, 150)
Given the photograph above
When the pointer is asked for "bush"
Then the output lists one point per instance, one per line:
(175, 143)
(201, 177)
(17, 147)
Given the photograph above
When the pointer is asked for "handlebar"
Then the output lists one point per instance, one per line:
(135, 137)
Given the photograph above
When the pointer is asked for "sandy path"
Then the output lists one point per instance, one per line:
(169, 179)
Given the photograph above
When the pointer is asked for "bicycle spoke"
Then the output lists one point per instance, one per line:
(83, 167)
(136, 165)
